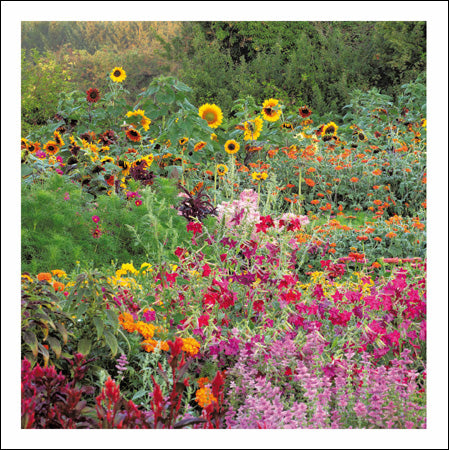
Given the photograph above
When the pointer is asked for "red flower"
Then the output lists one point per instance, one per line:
(93, 95)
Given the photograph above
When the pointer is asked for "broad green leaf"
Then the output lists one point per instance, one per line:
(61, 328)
(30, 338)
(84, 346)
(113, 318)
(111, 340)
(55, 346)
(45, 354)
(99, 325)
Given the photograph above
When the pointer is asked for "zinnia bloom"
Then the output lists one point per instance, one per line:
(253, 129)
(354, 179)
(93, 95)
(51, 147)
(118, 75)
(232, 147)
(269, 111)
(309, 182)
(133, 135)
(305, 111)
(212, 114)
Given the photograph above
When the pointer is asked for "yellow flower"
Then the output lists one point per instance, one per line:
(204, 396)
(148, 159)
(212, 114)
(270, 110)
(259, 176)
(59, 273)
(222, 170)
(191, 346)
(330, 129)
(118, 75)
(144, 121)
(214, 137)
(232, 147)
(252, 128)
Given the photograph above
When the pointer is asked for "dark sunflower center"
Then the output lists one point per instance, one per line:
(117, 73)
(268, 111)
(210, 116)
(51, 148)
(93, 94)
(361, 136)
(231, 147)
(133, 133)
(330, 130)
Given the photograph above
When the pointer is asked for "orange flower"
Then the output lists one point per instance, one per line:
(58, 286)
(311, 169)
(376, 187)
(391, 235)
(309, 182)
(354, 179)
(377, 172)
(315, 202)
(377, 202)
(44, 276)
(375, 265)
(362, 238)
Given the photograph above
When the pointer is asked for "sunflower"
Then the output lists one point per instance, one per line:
(214, 137)
(199, 146)
(183, 141)
(269, 110)
(232, 147)
(144, 121)
(330, 128)
(253, 128)
(51, 147)
(133, 135)
(93, 95)
(108, 159)
(258, 176)
(33, 147)
(305, 111)
(118, 75)
(58, 139)
(287, 126)
(211, 113)
(125, 166)
(222, 170)
(361, 136)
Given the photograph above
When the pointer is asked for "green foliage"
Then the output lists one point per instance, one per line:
(57, 232)
(44, 324)
(43, 81)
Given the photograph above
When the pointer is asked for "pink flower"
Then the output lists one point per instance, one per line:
(138, 202)
(96, 219)
(66, 196)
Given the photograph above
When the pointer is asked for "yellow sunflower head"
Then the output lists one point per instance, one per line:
(183, 141)
(252, 128)
(51, 147)
(222, 170)
(211, 113)
(232, 147)
(270, 110)
(118, 74)
(330, 129)
(133, 135)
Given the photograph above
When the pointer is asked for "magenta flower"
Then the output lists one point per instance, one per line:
(138, 202)
(96, 219)
(66, 197)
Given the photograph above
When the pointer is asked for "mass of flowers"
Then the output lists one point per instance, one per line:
(275, 273)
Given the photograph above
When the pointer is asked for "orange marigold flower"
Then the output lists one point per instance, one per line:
(311, 169)
(57, 286)
(377, 172)
(191, 346)
(204, 397)
(203, 381)
(44, 276)
(354, 179)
